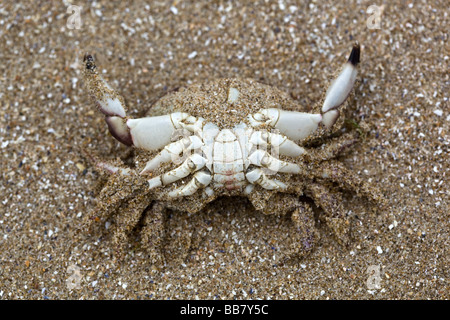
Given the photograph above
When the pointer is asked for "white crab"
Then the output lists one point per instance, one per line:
(244, 150)
(229, 158)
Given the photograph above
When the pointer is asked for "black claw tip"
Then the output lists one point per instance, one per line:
(354, 55)
(89, 60)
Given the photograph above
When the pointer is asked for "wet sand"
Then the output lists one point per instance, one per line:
(47, 185)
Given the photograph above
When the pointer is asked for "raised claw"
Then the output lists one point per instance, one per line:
(150, 133)
(119, 130)
(281, 143)
(200, 180)
(257, 176)
(173, 152)
(192, 164)
(343, 84)
(299, 125)
(262, 158)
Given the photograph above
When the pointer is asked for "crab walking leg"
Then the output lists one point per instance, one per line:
(111, 196)
(257, 176)
(332, 149)
(192, 164)
(153, 232)
(150, 133)
(107, 167)
(331, 203)
(249, 188)
(285, 146)
(264, 159)
(336, 172)
(113, 169)
(173, 152)
(295, 125)
(303, 232)
(299, 125)
(303, 219)
(200, 180)
(128, 218)
(280, 143)
(340, 88)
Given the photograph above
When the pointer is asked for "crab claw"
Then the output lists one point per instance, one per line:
(299, 125)
(108, 101)
(340, 88)
(150, 133)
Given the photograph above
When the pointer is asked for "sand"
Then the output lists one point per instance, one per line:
(47, 185)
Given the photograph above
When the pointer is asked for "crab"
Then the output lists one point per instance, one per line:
(228, 138)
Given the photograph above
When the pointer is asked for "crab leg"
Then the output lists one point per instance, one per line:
(107, 167)
(194, 163)
(150, 133)
(153, 232)
(257, 176)
(264, 159)
(200, 180)
(343, 84)
(285, 146)
(340, 88)
(173, 151)
(112, 169)
(108, 201)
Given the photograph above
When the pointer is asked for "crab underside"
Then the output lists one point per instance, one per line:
(229, 137)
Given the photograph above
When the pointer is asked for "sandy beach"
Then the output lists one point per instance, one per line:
(227, 251)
